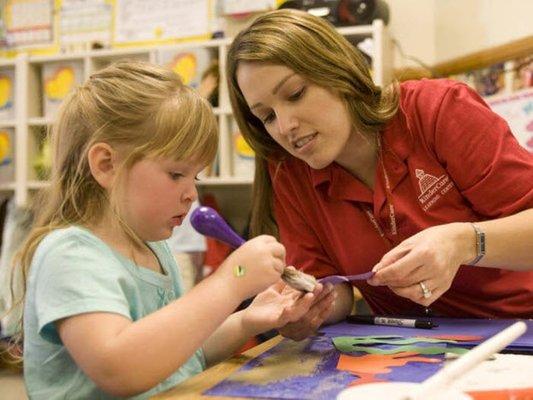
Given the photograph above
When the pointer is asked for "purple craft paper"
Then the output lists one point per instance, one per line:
(447, 326)
(326, 382)
(348, 278)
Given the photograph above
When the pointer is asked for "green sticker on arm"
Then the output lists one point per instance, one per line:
(239, 271)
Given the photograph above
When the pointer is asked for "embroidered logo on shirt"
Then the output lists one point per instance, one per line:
(431, 188)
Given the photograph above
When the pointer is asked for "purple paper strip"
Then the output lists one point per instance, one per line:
(334, 279)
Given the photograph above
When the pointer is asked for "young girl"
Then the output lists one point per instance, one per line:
(103, 314)
(410, 181)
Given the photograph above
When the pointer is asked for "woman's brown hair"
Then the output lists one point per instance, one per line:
(312, 48)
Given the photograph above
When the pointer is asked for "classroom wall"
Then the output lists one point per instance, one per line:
(439, 30)
(466, 26)
(412, 24)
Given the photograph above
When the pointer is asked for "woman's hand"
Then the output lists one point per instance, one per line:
(423, 267)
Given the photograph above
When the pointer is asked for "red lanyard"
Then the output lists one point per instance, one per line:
(388, 194)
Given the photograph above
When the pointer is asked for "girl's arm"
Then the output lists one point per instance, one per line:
(125, 358)
(270, 309)
(227, 339)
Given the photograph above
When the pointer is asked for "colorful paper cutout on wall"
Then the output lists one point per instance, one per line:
(6, 92)
(242, 148)
(60, 83)
(186, 66)
(5, 148)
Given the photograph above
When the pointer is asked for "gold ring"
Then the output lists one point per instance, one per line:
(425, 291)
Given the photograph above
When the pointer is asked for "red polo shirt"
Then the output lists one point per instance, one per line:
(449, 159)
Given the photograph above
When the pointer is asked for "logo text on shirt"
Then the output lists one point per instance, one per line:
(431, 188)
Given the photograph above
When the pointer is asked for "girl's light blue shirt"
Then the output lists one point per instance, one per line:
(74, 272)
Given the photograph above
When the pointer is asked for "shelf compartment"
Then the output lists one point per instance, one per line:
(49, 84)
(7, 93)
(7, 156)
(7, 186)
(39, 157)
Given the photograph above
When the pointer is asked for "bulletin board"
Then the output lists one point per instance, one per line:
(85, 21)
(517, 109)
(156, 21)
(28, 22)
(47, 27)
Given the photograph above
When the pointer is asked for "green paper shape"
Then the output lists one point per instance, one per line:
(415, 349)
(345, 341)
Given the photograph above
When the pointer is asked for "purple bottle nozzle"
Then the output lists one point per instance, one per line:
(209, 223)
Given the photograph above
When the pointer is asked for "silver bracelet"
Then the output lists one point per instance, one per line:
(480, 244)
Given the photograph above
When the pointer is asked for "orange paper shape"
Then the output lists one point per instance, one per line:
(459, 338)
(366, 367)
(379, 363)
(504, 394)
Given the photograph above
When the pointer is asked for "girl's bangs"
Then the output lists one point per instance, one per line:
(185, 128)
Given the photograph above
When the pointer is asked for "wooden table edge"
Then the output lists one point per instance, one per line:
(192, 388)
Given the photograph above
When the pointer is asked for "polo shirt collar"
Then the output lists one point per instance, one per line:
(340, 184)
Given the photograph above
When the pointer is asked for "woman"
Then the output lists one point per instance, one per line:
(420, 182)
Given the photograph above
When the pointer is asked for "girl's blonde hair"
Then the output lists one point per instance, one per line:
(312, 48)
(140, 109)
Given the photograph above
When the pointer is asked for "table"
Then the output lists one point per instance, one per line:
(193, 387)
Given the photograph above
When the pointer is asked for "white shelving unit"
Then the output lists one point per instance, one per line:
(30, 121)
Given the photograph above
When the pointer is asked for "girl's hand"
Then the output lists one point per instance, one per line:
(254, 266)
(320, 309)
(275, 307)
(422, 267)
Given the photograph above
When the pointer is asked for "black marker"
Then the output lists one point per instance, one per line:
(401, 322)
